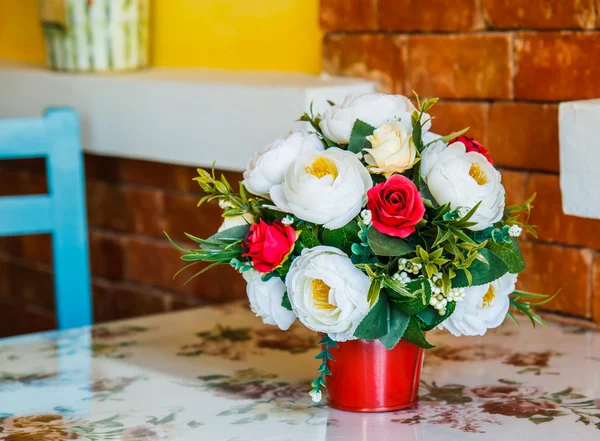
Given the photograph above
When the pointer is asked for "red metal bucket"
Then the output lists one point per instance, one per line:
(366, 377)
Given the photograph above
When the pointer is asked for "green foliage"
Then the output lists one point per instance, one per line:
(376, 322)
(421, 294)
(308, 238)
(514, 214)
(285, 301)
(450, 137)
(342, 238)
(384, 245)
(398, 322)
(510, 254)
(324, 355)
(495, 234)
(222, 238)
(238, 204)
(521, 301)
(414, 334)
(358, 137)
(479, 272)
(361, 251)
(430, 317)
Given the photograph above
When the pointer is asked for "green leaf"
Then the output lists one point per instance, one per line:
(374, 290)
(341, 238)
(510, 254)
(398, 324)
(430, 318)
(375, 324)
(480, 272)
(414, 334)
(450, 137)
(308, 239)
(225, 237)
(358, 137)
(285, 301)
(384, 245)
(412, 305)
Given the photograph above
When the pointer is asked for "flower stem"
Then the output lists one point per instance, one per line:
(324, 355)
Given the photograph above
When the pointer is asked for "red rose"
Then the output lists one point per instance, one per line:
(396, 206)
(473, 146)
(269, 245)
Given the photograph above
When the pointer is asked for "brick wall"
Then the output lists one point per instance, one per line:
(130, 204)
(500, 67)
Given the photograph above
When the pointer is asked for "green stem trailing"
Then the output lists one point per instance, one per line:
(324, 355)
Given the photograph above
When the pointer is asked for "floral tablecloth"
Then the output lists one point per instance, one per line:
(220, 374)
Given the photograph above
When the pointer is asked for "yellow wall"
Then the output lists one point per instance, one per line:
(231, 34)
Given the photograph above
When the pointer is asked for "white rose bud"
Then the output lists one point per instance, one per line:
(373, 108)
(235, 221)
(327, 292)
(265, 299)
(267, 167)
(393, 149)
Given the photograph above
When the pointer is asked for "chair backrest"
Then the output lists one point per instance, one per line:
(61, 212)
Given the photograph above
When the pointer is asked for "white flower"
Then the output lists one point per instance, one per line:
(464, 179)
(327, 292)
(366, 216)
(483, 307)
(393, 149)
(265, 299)
(235, 221)
(287, 221)
(515, 231)
(267, 167)
(316, 395)
(373, 108)
(324, 187)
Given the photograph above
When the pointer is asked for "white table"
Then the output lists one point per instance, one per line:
(219, 374)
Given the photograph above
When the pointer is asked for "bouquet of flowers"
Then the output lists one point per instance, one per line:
(371, 227)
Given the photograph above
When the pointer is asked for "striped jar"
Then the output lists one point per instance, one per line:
(96, 35)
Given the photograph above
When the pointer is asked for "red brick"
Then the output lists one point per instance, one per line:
(103, 301)
(16, 182)
(134, 301)
(376, 57)
(452, 116)
(541, 14)
(461, 66)
(524, 135)
(104, 168)
(550, 268)
(107, 255)
(155, 263)
(432, 15)
(554, 66)
(596, 289)
(553, 225)
(31, 286)
(146, 210)
(183, 216)
(348, 15)
(37, 247)
(125, 209)
(16, 319)
(515, 184)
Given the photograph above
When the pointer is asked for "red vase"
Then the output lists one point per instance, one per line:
(367, 377)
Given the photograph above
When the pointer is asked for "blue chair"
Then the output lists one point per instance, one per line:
(61, 212)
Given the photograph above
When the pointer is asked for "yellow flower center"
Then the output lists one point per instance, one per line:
(322, 167)
(477, 173)
(320, 294)
(489, 296)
